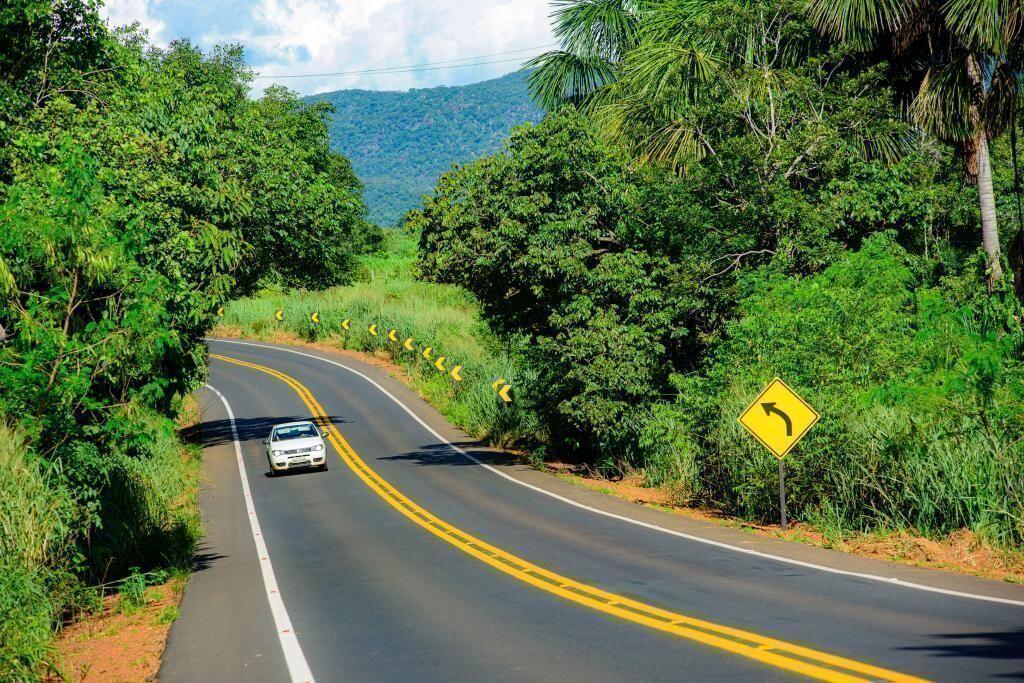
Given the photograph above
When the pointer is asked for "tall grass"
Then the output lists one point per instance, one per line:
(47, 536)
(36, 521)
(443, 317)
(922, 427)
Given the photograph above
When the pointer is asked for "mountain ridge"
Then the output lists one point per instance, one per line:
(400, 141)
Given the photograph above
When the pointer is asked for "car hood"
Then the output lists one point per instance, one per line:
(295, 444)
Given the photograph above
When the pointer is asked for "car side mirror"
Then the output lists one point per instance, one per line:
(266, 442)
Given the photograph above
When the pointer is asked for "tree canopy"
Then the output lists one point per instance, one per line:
(140, 189)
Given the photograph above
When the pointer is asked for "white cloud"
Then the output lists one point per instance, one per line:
(123, 12)
(288, 37)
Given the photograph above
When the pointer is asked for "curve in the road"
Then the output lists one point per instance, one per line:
(770, 651)
(887, 580)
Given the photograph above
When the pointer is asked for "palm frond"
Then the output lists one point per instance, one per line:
(1003, 95)
(649, 130)
(558, 77)
(652, 69)
(604, 28)
(859, 22)
(984, 25)
(677, 144)
(943, 102)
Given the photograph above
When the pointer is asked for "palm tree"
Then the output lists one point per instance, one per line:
(595, 36)
(961, 60)
(637, 66)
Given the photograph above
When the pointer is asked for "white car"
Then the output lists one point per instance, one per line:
(293, 445)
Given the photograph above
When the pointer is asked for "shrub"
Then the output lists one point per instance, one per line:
(920, 398)
(147, 502)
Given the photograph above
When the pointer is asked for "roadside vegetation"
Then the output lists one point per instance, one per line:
(140, 188)
(387, 293)
(724, 192)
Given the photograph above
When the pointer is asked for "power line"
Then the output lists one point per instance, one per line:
(413, 68)
(474, 20)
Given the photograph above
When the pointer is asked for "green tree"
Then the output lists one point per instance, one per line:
(961, 61)
(139, 189)
(49, 49)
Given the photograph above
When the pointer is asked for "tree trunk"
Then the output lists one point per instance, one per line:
(986, 197)
(987, 202)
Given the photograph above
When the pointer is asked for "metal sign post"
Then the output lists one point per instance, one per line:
(782, 493)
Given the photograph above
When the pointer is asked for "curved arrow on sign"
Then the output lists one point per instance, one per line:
(344, 323)
(455, 373)
(437, 363)
(391, 335)
(279, 314)
(315, 317)
(426, 352)
(504, 393)
(373, 329)
(769, 408)
(408, 344)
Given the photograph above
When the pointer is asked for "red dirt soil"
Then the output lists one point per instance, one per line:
(116, 647)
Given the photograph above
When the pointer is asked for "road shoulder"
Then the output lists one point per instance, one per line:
(225, 626)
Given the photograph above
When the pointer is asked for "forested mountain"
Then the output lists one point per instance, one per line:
(399, 142)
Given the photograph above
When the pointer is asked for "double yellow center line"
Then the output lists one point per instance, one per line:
(777, 653)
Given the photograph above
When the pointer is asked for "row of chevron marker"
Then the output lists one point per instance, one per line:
(501, 386)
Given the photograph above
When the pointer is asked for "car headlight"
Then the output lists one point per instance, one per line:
(276, 453)
(318, 447)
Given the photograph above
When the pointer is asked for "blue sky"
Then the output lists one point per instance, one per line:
(288, 37)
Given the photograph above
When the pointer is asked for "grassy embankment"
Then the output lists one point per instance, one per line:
(42, 589)
(388, 294)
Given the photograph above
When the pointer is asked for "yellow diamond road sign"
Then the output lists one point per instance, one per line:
(778, 418)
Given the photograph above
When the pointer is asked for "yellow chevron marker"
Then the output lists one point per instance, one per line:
(437, 363)
(408, 344)
(220, 311)
(455, 373)
(426, 352)
(391, 335)
(344, 323)
(497, 383)
(279, 314)
(504, 393)
(315, 317)
(373, 329)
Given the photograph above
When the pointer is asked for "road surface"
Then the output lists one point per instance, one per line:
(420, 556)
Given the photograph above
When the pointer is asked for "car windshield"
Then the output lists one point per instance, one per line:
(302, 431)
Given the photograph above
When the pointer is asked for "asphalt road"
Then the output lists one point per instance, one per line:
(411, 560)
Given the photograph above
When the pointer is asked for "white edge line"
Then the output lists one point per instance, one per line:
(888, 580)
(298, 668)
